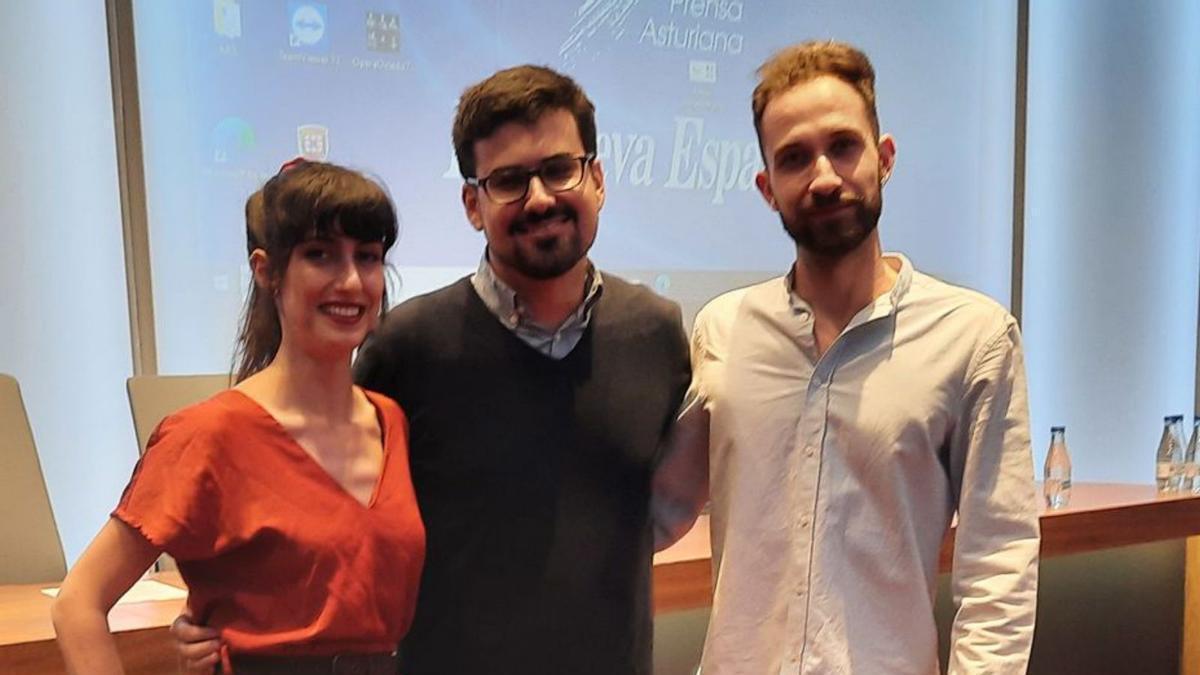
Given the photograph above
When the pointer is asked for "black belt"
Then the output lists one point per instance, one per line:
(341, 664)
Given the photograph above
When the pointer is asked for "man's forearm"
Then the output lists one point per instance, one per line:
(680, 486)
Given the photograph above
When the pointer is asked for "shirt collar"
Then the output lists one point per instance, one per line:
(502, 300)
(881, 306)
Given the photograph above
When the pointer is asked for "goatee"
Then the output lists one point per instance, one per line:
(823, 231)
(546, 257)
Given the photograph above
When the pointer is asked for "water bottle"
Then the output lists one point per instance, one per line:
(1057, 485)
(1169, 462)
(1191, 469)
(1179, 468)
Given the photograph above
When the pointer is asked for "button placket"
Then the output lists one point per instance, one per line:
(807, 472)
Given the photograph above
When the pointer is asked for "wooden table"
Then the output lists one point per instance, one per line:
(27, 637)
(1101, 516)
(27, 645)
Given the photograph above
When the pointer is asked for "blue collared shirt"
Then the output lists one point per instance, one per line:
(503, 302)
(836, 474)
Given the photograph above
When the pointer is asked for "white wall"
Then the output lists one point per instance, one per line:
(1112, 242)
(64, 331)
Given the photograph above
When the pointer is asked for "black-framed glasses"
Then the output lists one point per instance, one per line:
(511, 184)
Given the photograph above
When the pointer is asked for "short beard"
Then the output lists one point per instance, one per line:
(834, 239)
(549, 258)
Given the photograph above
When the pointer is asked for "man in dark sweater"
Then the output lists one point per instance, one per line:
(539, 393)
(542, 397)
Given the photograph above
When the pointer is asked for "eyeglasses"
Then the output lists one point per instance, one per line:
(558, 174)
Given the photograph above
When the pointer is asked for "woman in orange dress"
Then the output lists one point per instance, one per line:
(286, 501)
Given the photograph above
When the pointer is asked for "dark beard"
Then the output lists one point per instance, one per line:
(547, 258)
(834, 237)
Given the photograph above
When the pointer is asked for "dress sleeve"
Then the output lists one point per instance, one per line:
(171, 499)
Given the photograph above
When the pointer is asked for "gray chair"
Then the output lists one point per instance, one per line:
(30, 550)
(153, 397)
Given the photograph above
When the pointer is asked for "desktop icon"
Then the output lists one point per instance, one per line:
(312, 142)
(383, 32)
(232, 139)
(308, 23)
(227, 18)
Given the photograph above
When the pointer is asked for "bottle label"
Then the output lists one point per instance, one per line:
(1162, 471)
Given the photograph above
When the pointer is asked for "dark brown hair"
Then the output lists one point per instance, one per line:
(520, 94)
(807, 61)
(305, 200)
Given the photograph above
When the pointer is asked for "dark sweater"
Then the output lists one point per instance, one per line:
(533, 480)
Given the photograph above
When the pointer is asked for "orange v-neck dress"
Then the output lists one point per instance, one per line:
(275, 553)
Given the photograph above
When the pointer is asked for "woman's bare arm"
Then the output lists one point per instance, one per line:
(111, 564)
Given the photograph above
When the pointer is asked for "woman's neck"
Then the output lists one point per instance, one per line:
(298, 383)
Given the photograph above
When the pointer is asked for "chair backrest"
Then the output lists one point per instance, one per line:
(153, 397)
(30, 550)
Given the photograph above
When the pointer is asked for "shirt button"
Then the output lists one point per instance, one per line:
(808, 452)
(804, 522)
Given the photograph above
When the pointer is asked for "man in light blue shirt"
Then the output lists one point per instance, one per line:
(856, 405)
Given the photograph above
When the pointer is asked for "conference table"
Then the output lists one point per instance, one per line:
(27, 637)
(1100, 517)
(1119, 590)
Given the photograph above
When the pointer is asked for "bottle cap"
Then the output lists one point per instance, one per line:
(1058, 429)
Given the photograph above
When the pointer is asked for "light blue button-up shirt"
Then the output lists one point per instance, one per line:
(835, 476)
